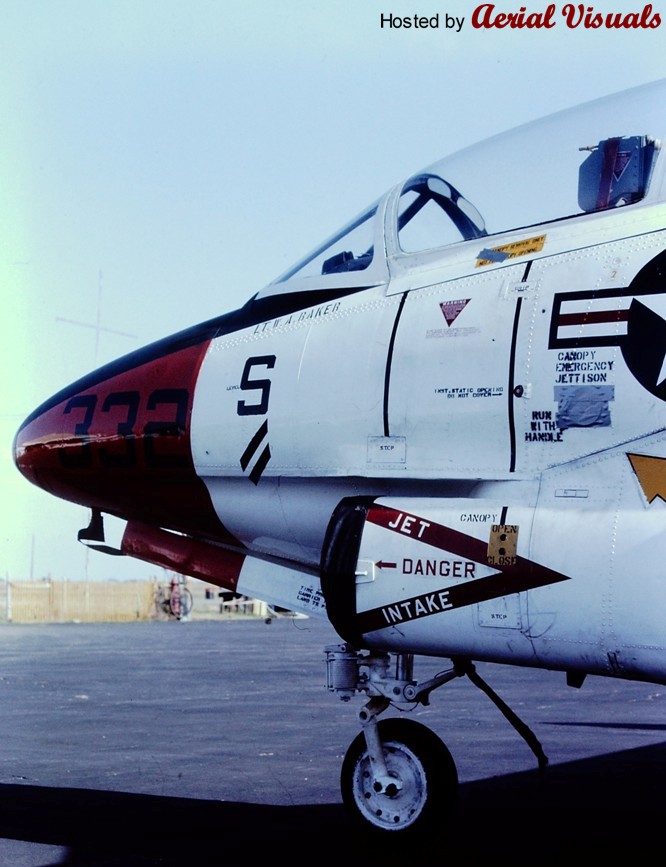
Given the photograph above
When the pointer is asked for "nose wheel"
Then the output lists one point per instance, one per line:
(418, 789)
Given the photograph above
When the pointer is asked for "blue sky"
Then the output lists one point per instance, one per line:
(162, 161)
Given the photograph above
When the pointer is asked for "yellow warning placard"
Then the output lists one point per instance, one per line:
(514, 250)
(503, 545)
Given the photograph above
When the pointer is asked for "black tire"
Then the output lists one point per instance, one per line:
(185, 602)
(423, 764)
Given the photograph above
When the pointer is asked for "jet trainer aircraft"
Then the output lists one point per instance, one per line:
(444, 430)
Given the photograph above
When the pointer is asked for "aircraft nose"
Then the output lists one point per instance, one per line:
(54, 448)
(118, 440)
(35, 449)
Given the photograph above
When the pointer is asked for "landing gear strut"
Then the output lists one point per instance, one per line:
(397, 775)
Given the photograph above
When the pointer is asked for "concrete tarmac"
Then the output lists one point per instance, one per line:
(217, 743)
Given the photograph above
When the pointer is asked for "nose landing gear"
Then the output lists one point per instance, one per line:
(397, 775)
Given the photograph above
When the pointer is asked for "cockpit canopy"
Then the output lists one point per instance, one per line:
(592, 158)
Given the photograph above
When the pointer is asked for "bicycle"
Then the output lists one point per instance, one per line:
(180, 598)
(179, 602)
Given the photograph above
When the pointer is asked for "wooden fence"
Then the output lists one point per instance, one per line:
(70, 601)
(59, 601)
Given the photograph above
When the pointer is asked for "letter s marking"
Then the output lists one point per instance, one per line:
(262, 385)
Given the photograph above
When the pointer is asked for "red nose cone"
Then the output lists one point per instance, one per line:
(39, 449)
(119, 441)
